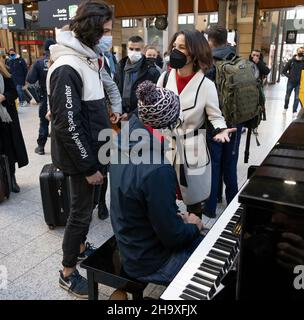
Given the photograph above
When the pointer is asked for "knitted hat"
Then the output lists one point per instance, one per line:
(47, 43)
(157, 107)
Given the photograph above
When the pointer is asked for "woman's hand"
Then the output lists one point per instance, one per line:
(115, 117)
(48, 116)
(2, 98)
(224, 135)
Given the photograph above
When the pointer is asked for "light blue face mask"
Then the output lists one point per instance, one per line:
(105, 44)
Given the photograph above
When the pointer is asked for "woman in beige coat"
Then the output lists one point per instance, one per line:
(190, 57)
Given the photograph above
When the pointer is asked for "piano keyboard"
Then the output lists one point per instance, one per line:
(201, 276)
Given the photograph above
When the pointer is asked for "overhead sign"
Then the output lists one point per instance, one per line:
(291, 36)
(57, 13)
(15, 17)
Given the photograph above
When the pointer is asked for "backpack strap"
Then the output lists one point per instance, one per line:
(248, 140)
(166, 78)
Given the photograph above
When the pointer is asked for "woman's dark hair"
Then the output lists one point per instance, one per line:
(90, 18)
(197, 47)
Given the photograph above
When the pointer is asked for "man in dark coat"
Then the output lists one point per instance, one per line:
(11, 138)
(293, 71)
(38, 72)
(18, 69)
(132, 71)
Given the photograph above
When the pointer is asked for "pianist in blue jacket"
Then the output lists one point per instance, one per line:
(153, 239)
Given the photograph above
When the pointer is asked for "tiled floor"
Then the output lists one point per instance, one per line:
(32, 253)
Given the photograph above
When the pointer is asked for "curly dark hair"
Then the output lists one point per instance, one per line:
(89, 21)
(197, 47)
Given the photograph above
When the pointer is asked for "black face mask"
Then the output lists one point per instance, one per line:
(177, 59)
(151, 60)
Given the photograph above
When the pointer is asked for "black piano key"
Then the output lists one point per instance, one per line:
(214, 263)
(203, 282)
(227, 246)
(212, 292)
(186, 297)
(216, 256)
(230, 228)
(208, 265)
(201, 279)
(225, 242)
(195, 294)
(218, 270)
(221, 247)
(223, 254)
(229, 236)
(197, 289)
(205, 269)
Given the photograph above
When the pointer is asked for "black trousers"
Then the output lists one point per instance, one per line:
(44, 123)
(77, 228)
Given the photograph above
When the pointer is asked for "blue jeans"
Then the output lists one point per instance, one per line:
(224, 159)
(20, 93)
(171, 268)
(290, 87)
(44, 123)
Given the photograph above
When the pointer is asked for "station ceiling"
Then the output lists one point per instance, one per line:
(136, 8)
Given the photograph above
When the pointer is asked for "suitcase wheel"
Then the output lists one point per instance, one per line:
(51, 227)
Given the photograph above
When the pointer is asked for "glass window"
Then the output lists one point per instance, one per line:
(300, 14)
(129, 23)
(214, 18)
(300, 38)
(190, 19)
(291, 14)
(182, 20)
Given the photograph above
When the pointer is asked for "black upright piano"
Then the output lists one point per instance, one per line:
(272, 238)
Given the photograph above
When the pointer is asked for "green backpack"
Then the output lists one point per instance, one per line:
(238, 91)
(240, 96)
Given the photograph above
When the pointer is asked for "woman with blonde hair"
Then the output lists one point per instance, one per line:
(11, 138)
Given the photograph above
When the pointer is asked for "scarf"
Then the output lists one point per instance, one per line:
(109, 55)
(4, 115)
(130, 78)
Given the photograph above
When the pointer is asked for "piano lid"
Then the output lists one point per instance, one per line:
(278, 183)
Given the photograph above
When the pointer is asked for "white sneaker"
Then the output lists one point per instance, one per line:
(295, 114)
(284, 111)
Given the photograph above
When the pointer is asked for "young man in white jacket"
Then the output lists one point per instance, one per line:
(79, 113)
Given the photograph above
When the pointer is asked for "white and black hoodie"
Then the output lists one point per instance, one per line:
(77, 104)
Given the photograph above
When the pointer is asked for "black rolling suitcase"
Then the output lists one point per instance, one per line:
(5, 178)
(55, 195)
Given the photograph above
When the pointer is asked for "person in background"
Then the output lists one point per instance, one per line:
(159, 60)
(18, 69)
(224, 157)
(108, 62)
(132, 71)
(154, 241)
(166, 66)
(293, 71)
(79, 114)
(151, 55)
(11, 139)
(261, 71)
(38, 72)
